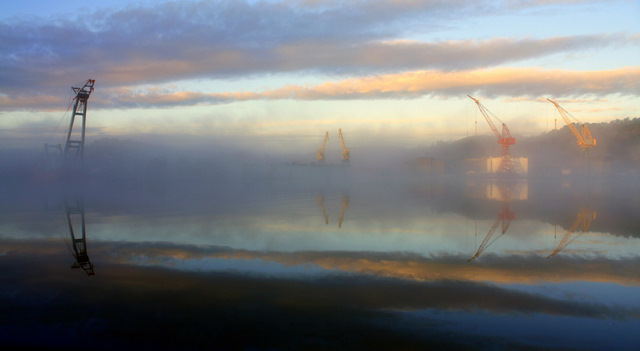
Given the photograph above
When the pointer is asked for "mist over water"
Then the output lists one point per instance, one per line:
(230, 250)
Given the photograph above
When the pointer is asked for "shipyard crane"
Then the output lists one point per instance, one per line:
(345, 150)
(505, 217)
(585, 140)
(585, 216)
(507, 166)
(321, 150)
(74, 149)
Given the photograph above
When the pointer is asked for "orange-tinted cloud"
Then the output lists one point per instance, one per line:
(509, 82)
(515, 84)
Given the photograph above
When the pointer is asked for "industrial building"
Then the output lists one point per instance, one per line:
(491, 165)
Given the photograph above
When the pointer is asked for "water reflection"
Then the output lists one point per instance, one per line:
(584, 218)
(345, 205)
(504, 191)
(254, 268)
(324, 210)
(504, 217)
(74, 210)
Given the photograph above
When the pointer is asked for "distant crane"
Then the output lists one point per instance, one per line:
(74, 149)
(585, 216)
(505, 217)
(507, 166)
(585, 140)
(321, 150)
(345, 150)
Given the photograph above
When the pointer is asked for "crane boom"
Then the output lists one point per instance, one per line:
(485, 114)
(585, 216)
(585, 140)
(321, 150)
(345, 150)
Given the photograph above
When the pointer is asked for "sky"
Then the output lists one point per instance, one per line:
(275, 75)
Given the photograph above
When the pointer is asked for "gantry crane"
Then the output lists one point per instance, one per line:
(585, 216)
(585, 140)
(505, 217)
(74, 149)
(345, 150)
(321, 150)
(507, 166)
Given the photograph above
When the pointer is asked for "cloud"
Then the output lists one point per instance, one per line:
(520, 83)
(499, 82)
(225, 39)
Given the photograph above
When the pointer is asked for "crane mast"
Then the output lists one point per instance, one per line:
(585, 140)
(345, 150)
(74, 149)
(505, 139)
(321, 150)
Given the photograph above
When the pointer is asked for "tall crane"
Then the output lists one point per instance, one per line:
(74, 149)
(321, 150)
(505, 217)
(585, 216)
(507, 166)
(585, 140)
(345, 150)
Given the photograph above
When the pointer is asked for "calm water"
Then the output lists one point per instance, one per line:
(328, 263)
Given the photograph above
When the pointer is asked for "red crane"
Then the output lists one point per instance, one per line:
(505, 139)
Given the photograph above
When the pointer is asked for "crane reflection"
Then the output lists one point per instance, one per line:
(345, 205)
(584, 218)
(506, 192)
(75, 216)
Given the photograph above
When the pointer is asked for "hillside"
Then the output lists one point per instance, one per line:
(617, 149)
